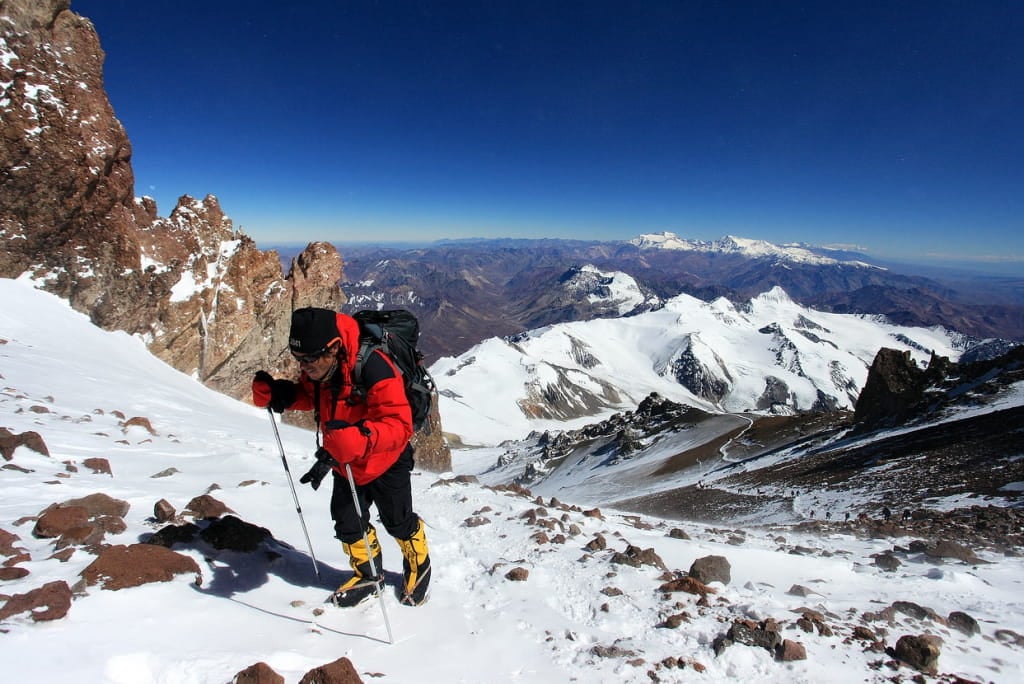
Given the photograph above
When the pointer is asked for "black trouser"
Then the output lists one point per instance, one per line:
(392, 494)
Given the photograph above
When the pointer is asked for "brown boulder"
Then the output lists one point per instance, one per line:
(101, 504)
(52, 601)
(260, 673)
(919, 652)
(635, 557)
(163, 511)
(120, 567)
(790, 650)
(10, 441)
(205, 506)
(963, 622)
(711, 569)
(945, 548)
(341, 671)
(100, 466)
(7, 547)
(518, 574)
(688, 585)
(56, 521)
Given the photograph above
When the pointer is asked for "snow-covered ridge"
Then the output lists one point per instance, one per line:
(754, 249)
(613, 288)
(769, 355)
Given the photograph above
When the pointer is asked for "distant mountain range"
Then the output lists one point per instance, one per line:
(467, 291)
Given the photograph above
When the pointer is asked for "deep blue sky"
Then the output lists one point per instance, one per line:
(894, 126)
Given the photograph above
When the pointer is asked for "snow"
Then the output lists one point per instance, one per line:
(729, 244)
(185, 288)
(634, 355)
(478, 626)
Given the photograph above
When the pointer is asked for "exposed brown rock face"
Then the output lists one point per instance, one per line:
(203, 296)
(121, 567)
(190, 284)
(52, 601)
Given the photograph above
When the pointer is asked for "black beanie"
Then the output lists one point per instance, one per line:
(312, 330)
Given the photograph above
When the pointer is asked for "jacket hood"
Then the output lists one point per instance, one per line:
(348, 330)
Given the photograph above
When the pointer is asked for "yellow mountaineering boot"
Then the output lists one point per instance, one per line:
(416, 567)
(365, 581)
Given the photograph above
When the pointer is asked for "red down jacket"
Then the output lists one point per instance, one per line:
(385, 413)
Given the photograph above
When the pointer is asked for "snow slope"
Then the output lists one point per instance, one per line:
(64, 378)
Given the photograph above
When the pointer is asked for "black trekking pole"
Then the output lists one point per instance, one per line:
(298, 508)
(369, 551)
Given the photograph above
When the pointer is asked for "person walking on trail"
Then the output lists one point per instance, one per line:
(366, 424)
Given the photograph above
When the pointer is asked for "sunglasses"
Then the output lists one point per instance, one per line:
(310, 358)
(315, 356)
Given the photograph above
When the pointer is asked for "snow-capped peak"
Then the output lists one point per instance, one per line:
(729, 244)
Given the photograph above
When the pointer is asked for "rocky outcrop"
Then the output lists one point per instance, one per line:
(200, 293)
(197, 290)
(895, 384)
(695, 375)
(897, 391)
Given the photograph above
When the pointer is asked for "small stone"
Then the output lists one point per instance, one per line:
(518, 574)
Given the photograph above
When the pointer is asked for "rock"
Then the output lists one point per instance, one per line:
(10, 441)
(163, 511)
(964, 623)
(518, 574)
(7, 540)
(120, 567)
(790, 650)
(677, 533)
(260, 673)
(1008, 636)
(711, 569)
(864, 634)
(205, 506)
(764, 634)
(139, 421)
(887, 561)
(101, 504)
(341, 671)
(894, 386)
(674, 621)
(234, 534)
(174, 534)
(8, 573)
(58, 520)
(432, 451)
(635, 556)
(100, 466)
(689, 585)
(944, 548)
(919, 652)
(52, 601)
(916, 611)
(598, 543)
(82, 522)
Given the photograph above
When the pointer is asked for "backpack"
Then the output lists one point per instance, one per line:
(396, 333)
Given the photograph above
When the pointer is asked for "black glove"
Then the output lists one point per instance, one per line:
(316, 474)
(282, 392)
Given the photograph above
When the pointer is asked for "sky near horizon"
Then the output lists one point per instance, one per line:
(897, 128)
